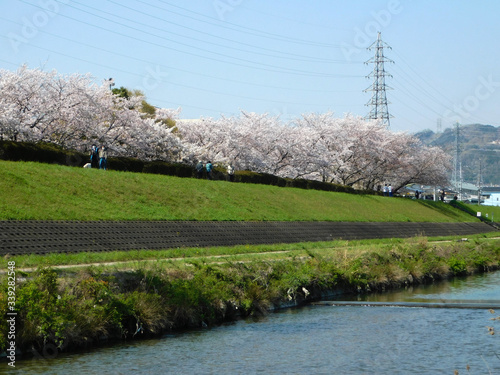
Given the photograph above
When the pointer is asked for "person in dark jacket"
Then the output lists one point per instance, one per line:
(199, 169)
(94, 157)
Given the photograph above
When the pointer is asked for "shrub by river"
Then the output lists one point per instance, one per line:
(70, 311)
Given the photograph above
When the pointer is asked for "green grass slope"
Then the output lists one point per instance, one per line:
(491, 212)
(52, 192)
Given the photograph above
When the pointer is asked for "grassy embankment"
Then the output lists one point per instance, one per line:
(181, 288)
(51, 192)
(490, 213)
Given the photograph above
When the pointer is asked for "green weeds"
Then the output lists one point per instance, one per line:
(70, 309)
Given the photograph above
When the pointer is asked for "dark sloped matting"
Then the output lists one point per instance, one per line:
(40, 237)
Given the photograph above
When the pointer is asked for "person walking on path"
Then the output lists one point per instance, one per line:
(199, 169)
(103, 158)
(384, 189)
(389, 189)
(94, 157)
(209, 167)
(230, 172)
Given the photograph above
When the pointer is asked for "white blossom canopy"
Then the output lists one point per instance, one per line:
(74, 112)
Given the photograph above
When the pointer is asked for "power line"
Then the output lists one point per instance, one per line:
(422, 77)
(260, 65)
(440, 98)
(168, 67)
(412, 108)
(407, 90)
(173, 83)
(286, 55)
(294, 20)
(246, 30)
(417, 99)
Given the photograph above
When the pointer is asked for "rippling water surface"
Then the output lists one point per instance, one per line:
(319, 340)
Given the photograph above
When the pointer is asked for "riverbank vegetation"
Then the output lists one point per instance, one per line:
(53, 192)
(70, 308)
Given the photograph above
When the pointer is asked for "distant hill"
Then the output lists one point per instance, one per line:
(477, 142)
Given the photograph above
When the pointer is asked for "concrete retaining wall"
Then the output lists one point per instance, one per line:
(39, 237)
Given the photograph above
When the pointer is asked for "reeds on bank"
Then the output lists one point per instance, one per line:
(97, 304)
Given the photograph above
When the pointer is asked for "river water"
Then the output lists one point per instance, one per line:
(319, 339)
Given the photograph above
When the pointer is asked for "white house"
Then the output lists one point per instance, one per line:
(491, 196)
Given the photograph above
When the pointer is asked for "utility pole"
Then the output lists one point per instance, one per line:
(460, 194)
(378, 102)
(479, 181)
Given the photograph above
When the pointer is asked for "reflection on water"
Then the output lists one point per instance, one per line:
(318, 340)
(484, 287)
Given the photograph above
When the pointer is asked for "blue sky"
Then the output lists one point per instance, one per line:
(282, 57)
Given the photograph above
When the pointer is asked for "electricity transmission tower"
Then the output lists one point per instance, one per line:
(457, 161)
(378, 102)
(439, 126)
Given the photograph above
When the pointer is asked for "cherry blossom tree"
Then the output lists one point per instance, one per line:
(256, 142)
(74, 112)
(423, 165)
(349, 150)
